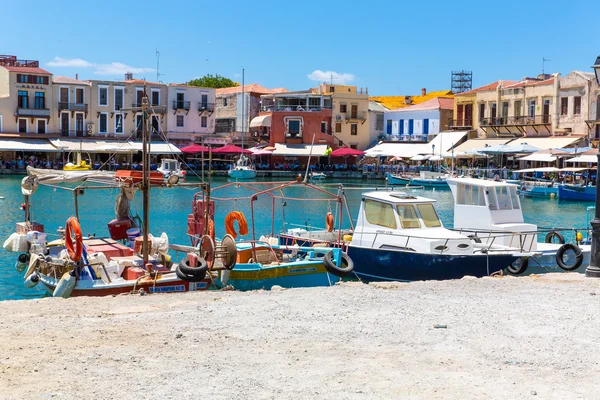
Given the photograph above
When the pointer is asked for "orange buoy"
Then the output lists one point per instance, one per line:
(74, 249)
(329, 221)
(241, 220)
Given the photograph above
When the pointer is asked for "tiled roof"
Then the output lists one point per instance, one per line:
(395, 102)
(251, 88)
(28, 70)
(70, 81)
(438, 103)
(491, 86)
(528, 82)
(141, 82)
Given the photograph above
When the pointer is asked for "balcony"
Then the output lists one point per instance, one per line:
(181, 105)
(208, 107)
(356, 116)
(294, 108)
(461, 124)
(519, 122)
(32, 112)
(12, 61)
(72, 107)
(72, 133)
(157, 108)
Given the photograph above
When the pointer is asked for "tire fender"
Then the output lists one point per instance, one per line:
(520, 268)
(550, 235)
(578, 256)
(344, 270)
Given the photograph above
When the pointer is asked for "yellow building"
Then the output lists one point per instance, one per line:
(350, 115)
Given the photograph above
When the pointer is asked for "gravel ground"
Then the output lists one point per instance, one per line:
(500, 338)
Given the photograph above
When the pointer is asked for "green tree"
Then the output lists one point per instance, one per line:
(213, 82)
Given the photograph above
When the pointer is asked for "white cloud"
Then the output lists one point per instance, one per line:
(330, 76)
(74, 62)
(114, 68)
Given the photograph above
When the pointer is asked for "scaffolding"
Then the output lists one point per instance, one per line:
(462, 81)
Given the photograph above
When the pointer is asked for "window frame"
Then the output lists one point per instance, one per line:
(178, 119)
(122, 89)
(324, 123)
(105, 115)
(343, 108)
(432, 208)
(564, 106)
(409, 221)
(338, 127)
(204, 121)
(353, 129)
(368, 214)
(576, 106)
(100, 89)
(117, 116)
(19, 125)
(37, 126)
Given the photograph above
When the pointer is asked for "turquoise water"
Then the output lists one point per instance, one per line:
(170, 208)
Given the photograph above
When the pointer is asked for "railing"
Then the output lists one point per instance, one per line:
(150, 105)
(33, 112)
(358, 115)
(460, 123)
(72, 106)
(11, 61)
(181, 105)
(76, 132)
(203, 106)
(294, 108)
(512, 121)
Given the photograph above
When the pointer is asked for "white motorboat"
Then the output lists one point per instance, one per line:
(169, 167)
(317, 176)
(243, 169)
(490, 212)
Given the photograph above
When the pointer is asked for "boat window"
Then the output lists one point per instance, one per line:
(515, 198)
(470, 195)
(477, 196)
(504, 201)
(429, 216)
(492, 198)
(378, 213)
(460, 195)
(408, 216)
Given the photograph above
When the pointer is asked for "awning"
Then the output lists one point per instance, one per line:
(299, 149)
(92, 146)
(548, 142)
(584, 159)
(261, 120)
(443, 142)
(157, 147)
(41, 145)
(478, 144)
(538, 157)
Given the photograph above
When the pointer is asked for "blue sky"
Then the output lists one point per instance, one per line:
(391, 47)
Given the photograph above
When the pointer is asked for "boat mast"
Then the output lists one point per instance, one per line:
(145, 177)
(243, 109)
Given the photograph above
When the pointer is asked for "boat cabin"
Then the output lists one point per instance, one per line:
(169, 165)
(400, 221)
(492, 211)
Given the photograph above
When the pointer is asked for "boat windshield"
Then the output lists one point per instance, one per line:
(378, 213)
(429, 216)
(408, 216)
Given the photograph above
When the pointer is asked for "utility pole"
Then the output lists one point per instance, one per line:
(544, 61)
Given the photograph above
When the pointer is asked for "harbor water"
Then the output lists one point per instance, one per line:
(170, 208)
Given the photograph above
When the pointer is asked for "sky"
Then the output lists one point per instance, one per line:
(390, 47)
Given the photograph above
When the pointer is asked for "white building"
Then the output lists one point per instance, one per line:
(192, 113)
(416, 123)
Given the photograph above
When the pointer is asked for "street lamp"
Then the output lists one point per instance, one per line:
(432, 154)
(593, 270)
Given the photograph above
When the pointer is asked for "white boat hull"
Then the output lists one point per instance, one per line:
(242, 173)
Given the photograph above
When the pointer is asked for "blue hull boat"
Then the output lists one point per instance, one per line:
(396, 179)
(396, 265)
(537, 191)
(577, 193)
(433, 183)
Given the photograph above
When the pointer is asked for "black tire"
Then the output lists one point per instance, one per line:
(519, 268)
(578, 256)
(189, 278)
(198, 271)
(554, 234)
(474, 238)
(334, 269)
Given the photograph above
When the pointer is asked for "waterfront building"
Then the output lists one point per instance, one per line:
(376, 122)
(419, 122)
(71, 100)
(192, 114)
(26, 93)
(228, 116)
(350, 108)
(577, 104)
(289, 121)
(395, 102)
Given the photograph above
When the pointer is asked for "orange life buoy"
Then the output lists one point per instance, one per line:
(329, 222)
(242, 223)
(74, 249)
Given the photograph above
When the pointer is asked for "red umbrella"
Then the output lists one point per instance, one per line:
(345, 152)
(230, 149)
(194, 149)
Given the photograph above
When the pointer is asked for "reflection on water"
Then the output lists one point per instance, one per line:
(170, 208)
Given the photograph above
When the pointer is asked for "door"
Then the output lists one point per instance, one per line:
(64, 124)
(411, 124)
(401, 127)
(468, 114)
(426, 126)
(64, 99)
(204, 102)
(139, 98)
(180, 100)
(78, 124)
(354, 113)
(546, 112)
(459, 114)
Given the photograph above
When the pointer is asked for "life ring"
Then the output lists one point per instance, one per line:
(517, 269)
(73, 249)
(578, 256)
(347, 265)
(555, 234)
(329, 222)
(241, 220)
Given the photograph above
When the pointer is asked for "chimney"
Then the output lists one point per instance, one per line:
(76, 77)
(424, 92)
(128, 76)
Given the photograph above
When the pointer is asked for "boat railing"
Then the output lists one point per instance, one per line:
(521, 237)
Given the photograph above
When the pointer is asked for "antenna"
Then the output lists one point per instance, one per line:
(158, 74)
(544, 60)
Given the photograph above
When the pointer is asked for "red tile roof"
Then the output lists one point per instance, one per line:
(28, 70)
(528, 82)
(141, 82)
(67, 80)
(491, 86)
(251, 88)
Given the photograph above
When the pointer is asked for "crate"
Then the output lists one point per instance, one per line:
(118, 228)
